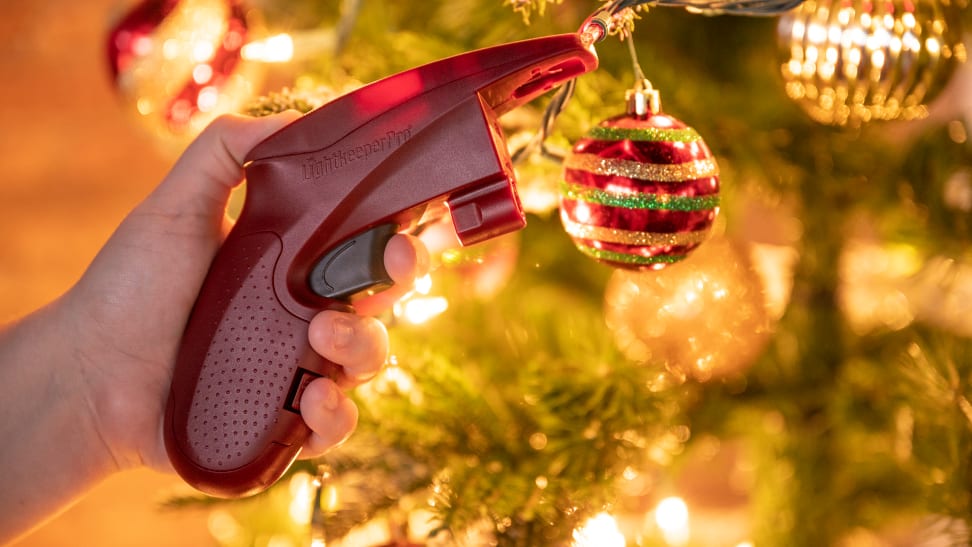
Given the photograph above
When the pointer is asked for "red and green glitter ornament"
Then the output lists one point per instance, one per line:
(640, 190)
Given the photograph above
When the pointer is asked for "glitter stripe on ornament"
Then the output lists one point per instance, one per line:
(643, 134)
(643, 220)
(622, 258)
(675, 172)
(708, 186)
(629, 237)
(670, 250)
(659, 152)
(638, 200)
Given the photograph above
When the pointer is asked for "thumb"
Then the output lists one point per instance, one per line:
(202, 178)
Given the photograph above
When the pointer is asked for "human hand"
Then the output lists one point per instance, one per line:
(129, 309)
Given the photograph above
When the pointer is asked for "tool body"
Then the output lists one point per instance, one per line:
(324, 195)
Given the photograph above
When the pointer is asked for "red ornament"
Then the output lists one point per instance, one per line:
(175, 59)
(641, 190)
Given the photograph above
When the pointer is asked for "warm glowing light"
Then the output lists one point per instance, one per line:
(280, 540)
(672, 517)
(302, 498)
(171, 49)
(600, 531)
(202, 73)
(877, 59)
(831, 55)
(223, 527)
(816, 33)
(911, 42)
(202, 51)
(537, 198)
(798, 29)
(794, 66)
(401, 380)
(275, 49)
(419, 310)
(834, 33)
(826, 70)
(538, 441)
(811, 54)
(844, 16)
(582, 212)
(208, 99)
(142, 45)
(423, 284)
(144, 106)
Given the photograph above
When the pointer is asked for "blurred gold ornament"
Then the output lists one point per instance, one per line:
(873, 292)
(890, 286)
(706, 318)
(941, 294)
(851, 62)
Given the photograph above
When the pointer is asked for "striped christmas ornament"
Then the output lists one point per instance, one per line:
(640, 190)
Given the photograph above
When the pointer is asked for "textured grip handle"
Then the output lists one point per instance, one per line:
(232, 426)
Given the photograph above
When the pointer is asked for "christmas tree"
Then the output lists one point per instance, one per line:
(797, 373)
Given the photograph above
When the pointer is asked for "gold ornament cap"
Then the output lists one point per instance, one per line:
(643, 99)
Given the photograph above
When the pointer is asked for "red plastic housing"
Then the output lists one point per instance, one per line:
(379, 155)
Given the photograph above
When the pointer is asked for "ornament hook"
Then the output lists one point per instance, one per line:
(643, 99)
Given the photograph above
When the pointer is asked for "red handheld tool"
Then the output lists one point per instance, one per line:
(324, 194)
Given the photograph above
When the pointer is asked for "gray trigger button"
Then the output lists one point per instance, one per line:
(355, 267)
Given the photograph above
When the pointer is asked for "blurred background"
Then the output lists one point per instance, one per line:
(73, 164)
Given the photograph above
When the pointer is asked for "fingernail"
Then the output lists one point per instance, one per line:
(341, 332)
(331, 399)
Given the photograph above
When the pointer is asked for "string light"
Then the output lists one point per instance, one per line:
(275, 49)
(672, 518)
(302, 497)
(293, 46)
(223, 527)
(420, 310)
(600, 531)
(418, 307)
(423, 285)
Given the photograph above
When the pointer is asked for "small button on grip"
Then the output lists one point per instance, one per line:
(355, 266)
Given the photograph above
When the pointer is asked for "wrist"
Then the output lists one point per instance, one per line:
(58, 454)
(116, 423)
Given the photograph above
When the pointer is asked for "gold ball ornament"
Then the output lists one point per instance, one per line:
(705, 319)
(850, 62)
